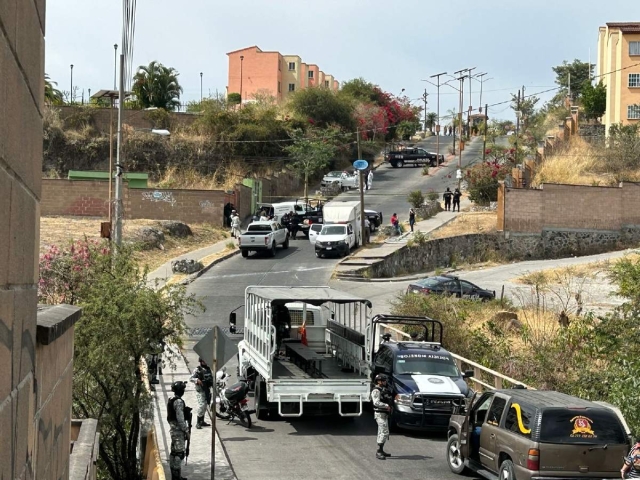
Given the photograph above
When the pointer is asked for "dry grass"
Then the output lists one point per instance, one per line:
(62, 230)
(556, 275)
(467, 223)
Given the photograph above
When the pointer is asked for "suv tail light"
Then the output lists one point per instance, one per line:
(425, 290)
(533, 459)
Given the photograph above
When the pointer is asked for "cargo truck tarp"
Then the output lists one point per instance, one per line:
(312, 295)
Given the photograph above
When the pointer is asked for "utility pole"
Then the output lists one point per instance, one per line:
(118, 210)
(115, 65)
(201, 88)
(438, 75)
(461, 79)
(424, 97)
(481, 82)
(569, 74)
(518, 113)
(470, 103)
(524, 118)
(71, 92)
(361, 177)
(486, 121)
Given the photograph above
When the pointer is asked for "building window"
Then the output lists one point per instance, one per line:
(326, 83)
(292, 87)
(292, 66)
(634, 80)
(311, 74)
(633, 112)
(279, 87)
(634, 48)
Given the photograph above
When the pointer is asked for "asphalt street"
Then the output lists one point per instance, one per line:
(392, 185)
(319, 448)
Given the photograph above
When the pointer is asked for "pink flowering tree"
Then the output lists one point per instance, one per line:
(483, 180)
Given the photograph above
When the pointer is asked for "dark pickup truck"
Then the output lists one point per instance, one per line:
(413, 156)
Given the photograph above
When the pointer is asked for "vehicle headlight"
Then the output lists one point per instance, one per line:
(342, 242)
(403, 399)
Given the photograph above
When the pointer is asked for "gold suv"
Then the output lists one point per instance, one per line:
(537, 435)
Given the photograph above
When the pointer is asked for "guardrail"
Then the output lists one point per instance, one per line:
(483, 377)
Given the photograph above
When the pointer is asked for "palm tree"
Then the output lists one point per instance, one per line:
(157, 86)
(432, 118)
(52, 96)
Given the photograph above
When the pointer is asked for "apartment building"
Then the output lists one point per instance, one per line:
(254, 72)
(619, 65)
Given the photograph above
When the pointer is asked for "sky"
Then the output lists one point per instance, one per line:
(393, 43)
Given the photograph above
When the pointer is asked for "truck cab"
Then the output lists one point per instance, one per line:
(336, 239)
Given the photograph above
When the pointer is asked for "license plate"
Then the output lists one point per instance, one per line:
(329, 248)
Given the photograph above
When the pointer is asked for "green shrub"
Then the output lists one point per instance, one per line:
(416, 199)
(432, 196)
(483, 181)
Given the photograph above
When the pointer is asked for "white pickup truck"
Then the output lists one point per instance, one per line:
(343, 179)
(263, 237)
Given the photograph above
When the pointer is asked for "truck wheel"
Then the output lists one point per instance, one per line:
(454, 457)
(245, 253)
(285, 245)
(507, 471)
(318, 254)
(272, 252)
(400, 163)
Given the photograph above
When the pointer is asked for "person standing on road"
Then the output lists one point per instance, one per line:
(381, 400)
(179, 418)
(456, 199)
(235, 225)
(395, 223)
(370, 180)
(447, 199)
(367, 230)
(203, 378)
(412, 218)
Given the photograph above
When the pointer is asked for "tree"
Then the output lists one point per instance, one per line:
(52, 95)
(234, 98)
(527, 107)
(594, 99)
(360, 90)
(123, 320)
(483, 180)
(578, 71)
(310, 153)
(322, 107)
(622, 154)
(406, 129)
(432, 118)
(157, 86)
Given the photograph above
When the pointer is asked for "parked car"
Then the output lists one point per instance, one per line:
(263, 237)
(450, 285)
(535, 434)
(413, 156)
(425, 381)
(344, 179)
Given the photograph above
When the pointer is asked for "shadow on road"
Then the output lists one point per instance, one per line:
(409, 457)
(238, 439)
(280, 252)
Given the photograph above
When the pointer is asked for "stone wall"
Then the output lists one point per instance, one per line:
(22, 25)
(445, 252)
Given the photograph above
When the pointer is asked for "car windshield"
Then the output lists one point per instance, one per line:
(333, 230)
(429, 282)
(334, 174)
(425, 364)
(583, 426)
(259, 228)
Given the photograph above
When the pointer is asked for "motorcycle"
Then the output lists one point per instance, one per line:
(232, 401)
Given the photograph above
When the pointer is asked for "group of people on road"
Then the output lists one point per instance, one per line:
(448, 196)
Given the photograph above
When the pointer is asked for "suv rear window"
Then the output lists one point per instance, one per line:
(590, 426)
(316, 227)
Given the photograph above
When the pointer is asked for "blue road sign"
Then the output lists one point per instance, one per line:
(360, 164)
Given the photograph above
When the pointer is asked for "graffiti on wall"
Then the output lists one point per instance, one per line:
(207, 206)
(157, 196)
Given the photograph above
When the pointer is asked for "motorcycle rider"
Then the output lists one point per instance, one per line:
(203, 378)
(179, 418)
(381, 400)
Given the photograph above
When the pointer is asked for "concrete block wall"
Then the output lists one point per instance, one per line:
(71, 197)
(190, 206)
(22, 25)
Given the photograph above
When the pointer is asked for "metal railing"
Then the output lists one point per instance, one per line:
(483, 377)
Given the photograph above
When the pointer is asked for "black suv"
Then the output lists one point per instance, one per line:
(425, 381)
(413, 156)
(450, 285)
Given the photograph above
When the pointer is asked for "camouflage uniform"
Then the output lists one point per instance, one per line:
(203, 391)
(179, 431)
(381, 415)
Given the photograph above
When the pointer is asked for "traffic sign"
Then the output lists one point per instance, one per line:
(360, 164)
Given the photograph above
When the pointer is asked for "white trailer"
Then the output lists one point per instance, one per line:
(328, 374)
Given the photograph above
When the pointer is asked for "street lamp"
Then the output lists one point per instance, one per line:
(71, 91)
(115, 65)
(241, 61)
(200, 87)
(437, 75)
(453, 122)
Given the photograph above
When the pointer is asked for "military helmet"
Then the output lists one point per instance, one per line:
(381, 377)
(178, 388)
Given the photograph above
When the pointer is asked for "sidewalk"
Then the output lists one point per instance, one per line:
(349, 268)
(198, 465)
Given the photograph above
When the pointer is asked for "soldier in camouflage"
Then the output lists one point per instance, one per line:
(203, 378)
(381, 400)
(179, 417)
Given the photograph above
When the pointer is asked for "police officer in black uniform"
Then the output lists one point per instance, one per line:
(381, 399)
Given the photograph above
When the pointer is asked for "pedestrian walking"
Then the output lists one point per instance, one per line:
(235, 225)
(447, 196)
(381, 401)
(370, 180)
(412, 218)
(203, 378)
(395, 223)
(456, 199)
(179, 418)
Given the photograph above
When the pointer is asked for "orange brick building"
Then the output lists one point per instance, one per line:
(255, 72)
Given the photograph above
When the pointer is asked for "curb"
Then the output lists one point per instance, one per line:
(194, 276)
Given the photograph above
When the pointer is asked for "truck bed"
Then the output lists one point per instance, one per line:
(330, 369)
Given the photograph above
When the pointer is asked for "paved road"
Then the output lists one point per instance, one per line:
(317, 448)
(392, 185)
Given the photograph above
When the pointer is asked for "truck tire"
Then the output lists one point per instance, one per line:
(400, 163)
(245, 253)
(507, 471)
(285, 245)
(272, 252)
(394, 164)
(454, 459)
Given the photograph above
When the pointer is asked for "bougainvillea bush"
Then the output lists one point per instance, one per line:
(483, 178)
